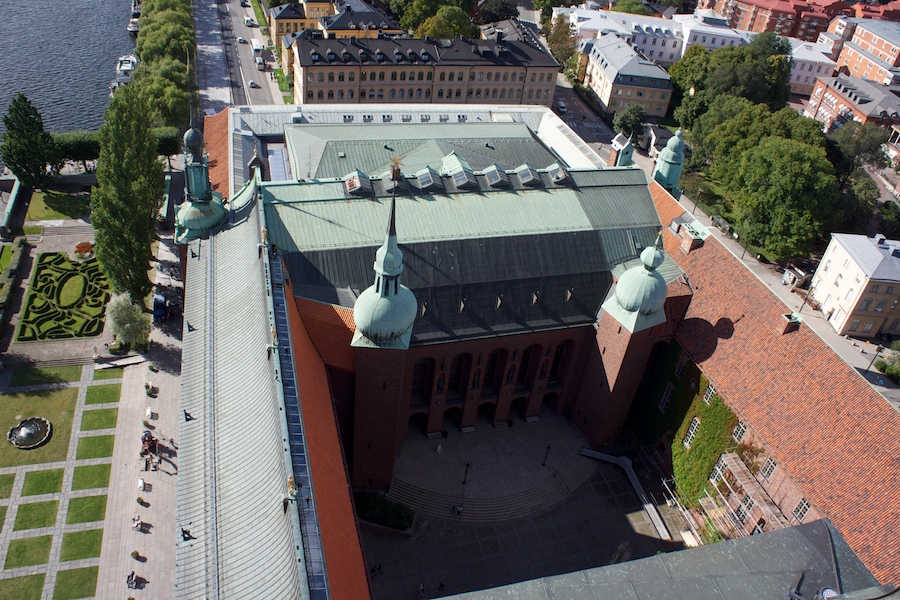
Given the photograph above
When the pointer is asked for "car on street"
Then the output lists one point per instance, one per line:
(241, 40)
(245, 3)
(252, 84)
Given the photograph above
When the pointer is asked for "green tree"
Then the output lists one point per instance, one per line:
(129, 324)
(546, 7)
(499, 10)
(417, 12)
(166, 86)
(561, 39)
(690, 71)
(78, 145)
(628, 121)
(449, 22)
(128, 193)
(165, 39)
(722, 109)
(691, 107)
(635, 7)
(26, 147)
(858, 145)
(786, 196)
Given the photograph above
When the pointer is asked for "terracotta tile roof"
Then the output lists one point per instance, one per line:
(837, 437)
(340, 537)
(331, 329)
(215, 134)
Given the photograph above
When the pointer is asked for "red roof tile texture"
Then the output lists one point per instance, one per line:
(331, 329)
(215, 134)
(837, 438)
(340, 536)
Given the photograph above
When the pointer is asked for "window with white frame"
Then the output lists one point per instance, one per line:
(866, 304)
(718, 471)
(890, 289)
(739, 430)
(709, 393)
(854, 325)
(691, 432)
(666, 398)
(880, 306)
(827, 266)
(875, 288)
(768, 468)
(744, 509)
(680, 368)
(868, 326)
(801, 509)
(837, 280)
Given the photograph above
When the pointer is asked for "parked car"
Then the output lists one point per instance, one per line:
(252, 84)
(241, 40)
(160, 308)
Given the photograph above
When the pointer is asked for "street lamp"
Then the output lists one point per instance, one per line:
(466, 474)
(872, 362)
(699, 193)
(547, 455)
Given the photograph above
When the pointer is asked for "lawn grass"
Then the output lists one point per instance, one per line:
(86, 510)
(81, 544)
(103, 394)
(51, 205)
(99, 446)
(58, 406)
(101, 418)
(91, 476)
(32, 229)
(2, 520)
(76, 583)
(36, 514)
(5, 256)
(43, 482)
(23, 588)
(27, 377)
(25, 552)
(111, 373)
(6, 485)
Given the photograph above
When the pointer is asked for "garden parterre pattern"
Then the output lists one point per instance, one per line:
(55, 563)
(66, 299)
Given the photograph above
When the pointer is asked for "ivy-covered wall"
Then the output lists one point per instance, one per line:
(691, 467)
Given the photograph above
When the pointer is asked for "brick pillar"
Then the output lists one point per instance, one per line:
(377, 415)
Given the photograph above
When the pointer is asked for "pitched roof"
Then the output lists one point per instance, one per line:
(877, 260)
(340, 538)
(215, 134)
(623, 64)
(330, 328)
(835, 436)
(294, 10)
(351, 19)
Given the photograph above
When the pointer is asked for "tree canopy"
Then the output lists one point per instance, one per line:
(448, 22)
(166, 86)
(635, 7)
(499, 10)
(26, 147)
(561, 39)
(129, 324)
(628, 121)
(127, 196)
(858, 145)
(786, 195)
(415, 13)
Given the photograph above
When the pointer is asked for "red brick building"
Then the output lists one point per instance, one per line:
(790, 18)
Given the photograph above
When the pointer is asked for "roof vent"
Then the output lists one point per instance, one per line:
(357, 183)
(527, 175)
(342, 155)
(880, 239)
(427, 178)
(557, 173)
(495, 177)
(789, 322)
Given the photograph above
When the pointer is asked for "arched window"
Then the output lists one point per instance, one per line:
(471, 76)
(481, 77)
(459, 92)
(393, 94)
(319, 95)
(403, 76)
(470, 93)
(546, 94)
(505, 76)
(362, 95)
(494, 93)
(522, 76)
(402, 93)
(478, 93)
(490, 76)
(503, 93)
(381, 76)
(412, 75)
(352, 76)
(419, 94)
(440, 93)
(310, 77)
(321, 77)
(381, 94)
(331, 94)
(519, 94)
(341, 76)
(452, 76)
(443, 76)
(331, 77)
(371, 75)
(541, 78)
(371, 94)
(309, 95)
(497, 76)
(350, 94)
(530, 94)
(427, 93)
(340, 94)
(409, 93)
(393, 75)
(362, 76)
(428, 76)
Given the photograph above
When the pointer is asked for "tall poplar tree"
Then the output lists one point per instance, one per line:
(26, 147)
(128, 194)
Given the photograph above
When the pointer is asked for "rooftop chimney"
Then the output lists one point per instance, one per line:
(789, 322)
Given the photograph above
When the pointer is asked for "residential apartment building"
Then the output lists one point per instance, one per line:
(808, 61)
(707, 28)
(617, 75)
(404, 70)
(871, 49)
(335, 20)
(836, 100)
(794, 18)
(858, 285)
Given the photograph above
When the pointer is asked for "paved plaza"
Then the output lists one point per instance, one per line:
(599, 521)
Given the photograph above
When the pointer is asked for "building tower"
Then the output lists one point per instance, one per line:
(384, 314)
(203, 209)
(669, 164)
(627, 329)
(621, 153)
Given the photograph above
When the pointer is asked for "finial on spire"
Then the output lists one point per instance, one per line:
(396, 175)
(392, 226)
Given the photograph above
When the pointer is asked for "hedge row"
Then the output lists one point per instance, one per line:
(8, 278)
(375, 508)
(85, 145)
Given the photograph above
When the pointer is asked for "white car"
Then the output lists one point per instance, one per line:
(252, 84)
(241, 40)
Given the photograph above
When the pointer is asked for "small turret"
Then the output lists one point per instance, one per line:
(669, 164)
(640, 292)
(203, 209)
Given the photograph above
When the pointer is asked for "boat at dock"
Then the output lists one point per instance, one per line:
(125, 67)
(133, 26)
(135, 9)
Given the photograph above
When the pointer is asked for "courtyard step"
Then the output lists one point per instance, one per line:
(68, 230)
(503, 508)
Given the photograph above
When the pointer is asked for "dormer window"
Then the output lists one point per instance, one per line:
(425, 56)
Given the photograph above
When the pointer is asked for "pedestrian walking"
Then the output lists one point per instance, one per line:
(441, 586)
(421, 590)
(440, 448)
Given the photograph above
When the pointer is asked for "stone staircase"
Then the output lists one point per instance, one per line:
(502, 508)
(85, 231)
